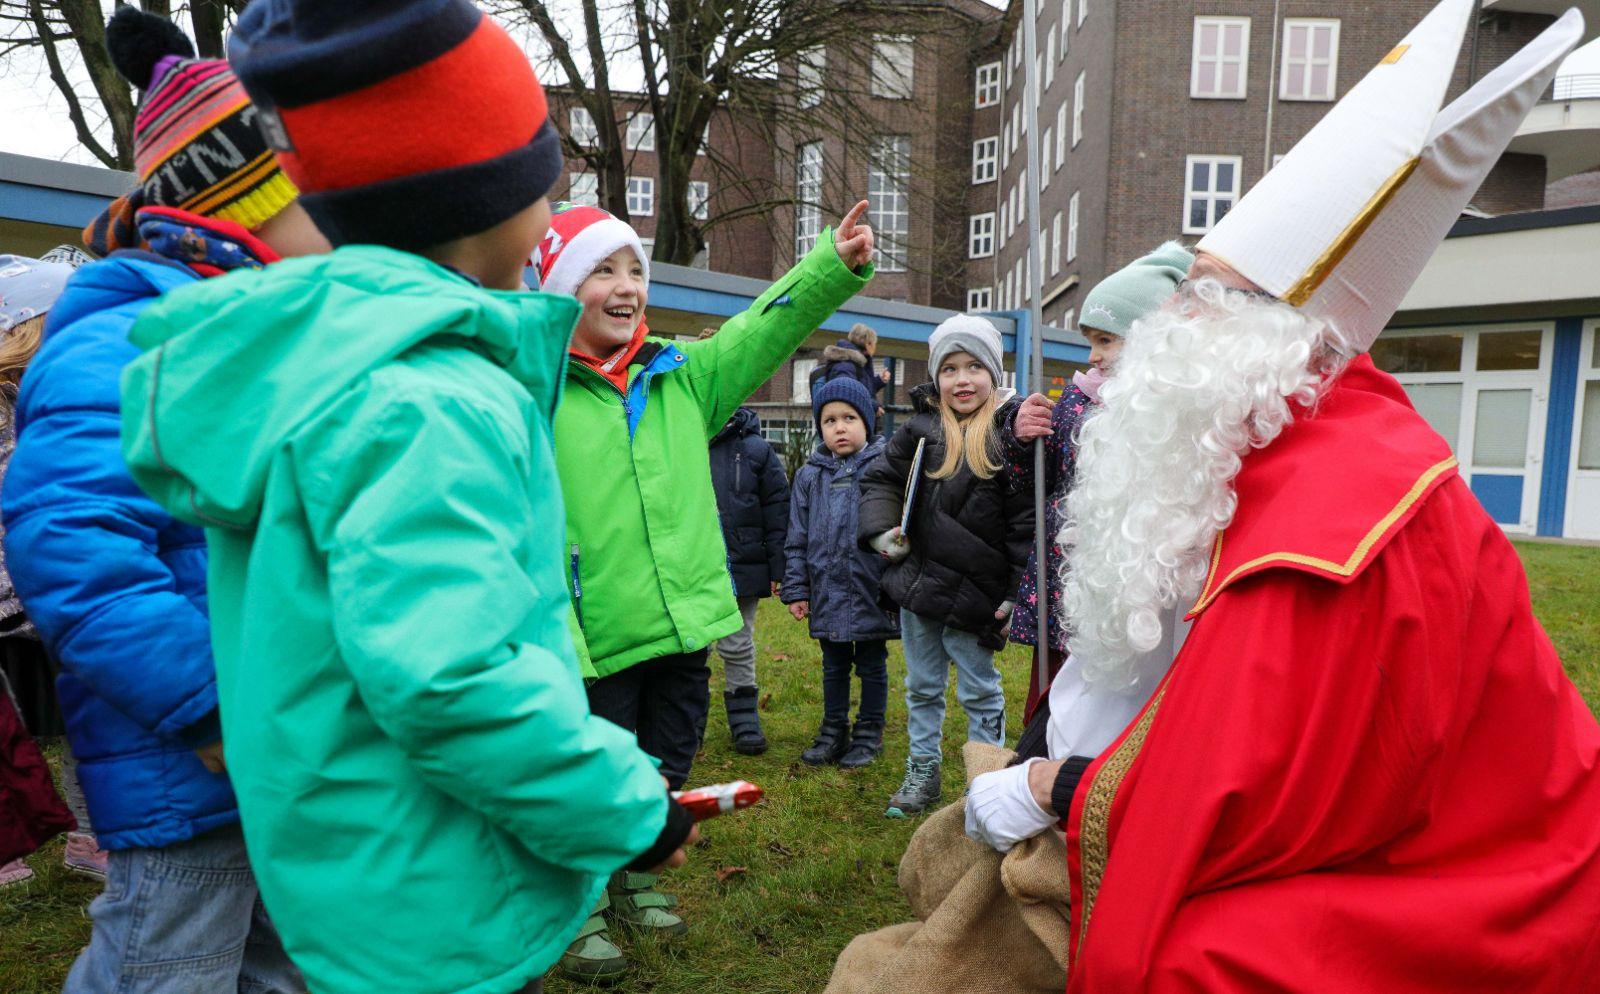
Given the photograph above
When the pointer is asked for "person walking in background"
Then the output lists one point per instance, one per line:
(753, 505)
(832, 582)
(852, 356)
(1108, 312)
(955, 574)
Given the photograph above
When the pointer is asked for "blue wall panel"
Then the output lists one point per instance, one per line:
(21, 202)
(1558, 426)
(1501, 496)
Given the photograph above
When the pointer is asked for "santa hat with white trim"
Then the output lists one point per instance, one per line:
(1345, 223)
(579, 239)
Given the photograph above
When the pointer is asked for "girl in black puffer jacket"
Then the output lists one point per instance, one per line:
(954, 570)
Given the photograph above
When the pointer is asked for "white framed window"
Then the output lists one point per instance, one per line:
(584, 188)
(649, 246)
(1066, 26)
(1005, 148)
(892, 59)
(1310, 58)
(1016, 125)
(641, 196)
(699, 199)
(1049, 60)
(581, 125)
(1022, 281)
(979, 298)
(705, 140)
(1008, 73)
(810, 70)
(1083, 11)
(1221, 61)
(1055, 244)
(1061, 135)
(1011, 216)
(1045, 169)
(1211, 188)
(1072, 227)
(642, 132)
(985, 159)
(980, 236)
(800, 386)
(888, 180)
(1016, 51)
(807, 197)
(1022, 197)
(1077, 110)
(1000, 229)
(986, 87)
(1006, 297)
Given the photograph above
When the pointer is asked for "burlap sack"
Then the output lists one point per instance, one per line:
(988, 924)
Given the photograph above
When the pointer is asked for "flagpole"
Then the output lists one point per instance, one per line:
(1035, 285)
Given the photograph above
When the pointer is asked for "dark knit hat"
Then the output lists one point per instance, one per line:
(849, 390)
(406, 123)
(196, 146)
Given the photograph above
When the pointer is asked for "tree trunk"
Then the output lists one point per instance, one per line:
(85, 21)
(209, 17)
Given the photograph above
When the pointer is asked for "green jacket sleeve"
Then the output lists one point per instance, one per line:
(463, 658)
(727, 368)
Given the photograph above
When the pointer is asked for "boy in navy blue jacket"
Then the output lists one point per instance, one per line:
(831, 580)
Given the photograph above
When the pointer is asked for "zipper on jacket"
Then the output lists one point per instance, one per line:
(577, 587)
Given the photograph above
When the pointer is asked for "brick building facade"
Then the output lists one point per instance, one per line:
(1173, 110)
(1154, 117)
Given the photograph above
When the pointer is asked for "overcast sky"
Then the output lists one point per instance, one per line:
(33, 116)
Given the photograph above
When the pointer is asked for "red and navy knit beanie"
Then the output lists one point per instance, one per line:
(406, 123)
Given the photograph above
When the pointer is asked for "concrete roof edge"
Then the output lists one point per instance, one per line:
(31, 171)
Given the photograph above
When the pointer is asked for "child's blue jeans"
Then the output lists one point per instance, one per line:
(181, 919)
(930, 647)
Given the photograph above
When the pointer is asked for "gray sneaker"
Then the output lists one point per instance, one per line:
(919, 791)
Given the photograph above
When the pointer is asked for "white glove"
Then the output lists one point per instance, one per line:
(1001, 810)
(892, 544)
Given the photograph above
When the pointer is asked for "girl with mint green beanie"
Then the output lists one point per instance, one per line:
(1108, 313)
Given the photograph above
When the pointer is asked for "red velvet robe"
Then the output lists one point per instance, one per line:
(1366, 770)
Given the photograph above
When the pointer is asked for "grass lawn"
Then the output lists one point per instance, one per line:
(774, 893)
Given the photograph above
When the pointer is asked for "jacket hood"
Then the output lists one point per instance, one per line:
(115, 281)
(234, 366)
(844, 351)
(745, 421)
(821, 456)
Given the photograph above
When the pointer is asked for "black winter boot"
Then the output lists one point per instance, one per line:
(866, 742)
(744, 720)
(831, 742)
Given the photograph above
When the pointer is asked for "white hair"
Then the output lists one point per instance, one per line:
(1197, 385)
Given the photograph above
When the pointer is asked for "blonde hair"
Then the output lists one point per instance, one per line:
(17, 346)
(969, 441)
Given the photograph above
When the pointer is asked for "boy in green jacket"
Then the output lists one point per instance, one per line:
(366, 436)
(649, 569)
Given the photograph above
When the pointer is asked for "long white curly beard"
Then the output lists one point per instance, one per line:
(1192, 392)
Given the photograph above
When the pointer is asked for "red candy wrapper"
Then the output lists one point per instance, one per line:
(719, 798)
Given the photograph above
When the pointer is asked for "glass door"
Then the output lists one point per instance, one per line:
(1486, 391)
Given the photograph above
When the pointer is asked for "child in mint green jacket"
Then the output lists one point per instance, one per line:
(649, 569)
(366, 437)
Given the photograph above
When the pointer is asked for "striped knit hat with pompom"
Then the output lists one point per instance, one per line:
(196, 144)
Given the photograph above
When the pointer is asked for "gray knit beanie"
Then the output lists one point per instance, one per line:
(970, 334)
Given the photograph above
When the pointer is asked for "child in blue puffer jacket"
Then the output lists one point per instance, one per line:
(831, 580)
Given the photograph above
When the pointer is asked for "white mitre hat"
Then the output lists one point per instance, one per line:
(1344, 224)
